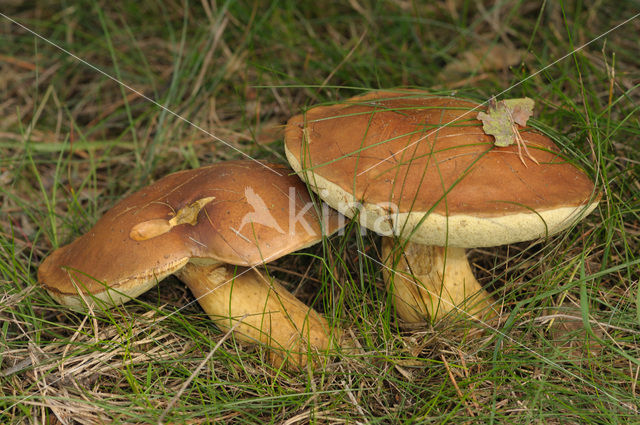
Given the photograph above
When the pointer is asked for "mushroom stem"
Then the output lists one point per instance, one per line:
(428, 282)
(266, 312)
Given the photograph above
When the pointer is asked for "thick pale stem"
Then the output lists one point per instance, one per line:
(431, 281)
(261, 310)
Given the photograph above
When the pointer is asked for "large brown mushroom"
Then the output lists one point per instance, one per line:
(206, 226)
(420, 170)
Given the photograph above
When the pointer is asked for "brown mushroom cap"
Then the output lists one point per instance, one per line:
(422, 167)
(244, 214)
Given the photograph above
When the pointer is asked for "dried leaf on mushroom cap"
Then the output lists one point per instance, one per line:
(500, 122)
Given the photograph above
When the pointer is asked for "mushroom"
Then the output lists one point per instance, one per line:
(207, 226)
(419, 170)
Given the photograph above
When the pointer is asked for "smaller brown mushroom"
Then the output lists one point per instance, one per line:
(206, 226)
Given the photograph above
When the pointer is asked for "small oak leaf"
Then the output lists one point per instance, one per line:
(500, 117)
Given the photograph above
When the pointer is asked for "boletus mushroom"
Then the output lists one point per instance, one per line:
(206, 226)
(420, 170)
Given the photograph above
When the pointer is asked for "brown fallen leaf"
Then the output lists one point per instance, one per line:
(483, 59)
(566, 332)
